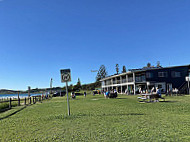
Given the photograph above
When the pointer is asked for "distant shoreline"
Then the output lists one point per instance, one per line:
(16, 95)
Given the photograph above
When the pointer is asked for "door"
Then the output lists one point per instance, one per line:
(161, 86)
(169, 87)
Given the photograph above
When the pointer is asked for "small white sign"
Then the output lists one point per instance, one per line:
(187, 78)
(65, 75)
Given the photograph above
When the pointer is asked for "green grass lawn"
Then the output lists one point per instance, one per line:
(97, 119)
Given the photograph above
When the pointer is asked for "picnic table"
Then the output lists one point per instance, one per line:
(150, 97)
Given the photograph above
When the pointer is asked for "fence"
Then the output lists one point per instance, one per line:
(8, 103)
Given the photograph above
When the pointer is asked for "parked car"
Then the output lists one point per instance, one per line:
(78, 94)
(59, 94)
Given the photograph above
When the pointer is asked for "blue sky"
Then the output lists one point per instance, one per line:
(38, 38)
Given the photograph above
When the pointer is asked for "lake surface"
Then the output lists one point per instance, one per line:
(16, 95)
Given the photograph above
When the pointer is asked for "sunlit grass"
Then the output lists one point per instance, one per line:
(97, 119)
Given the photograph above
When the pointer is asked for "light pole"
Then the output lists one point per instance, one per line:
(51, 82)
(187, 79)
(188, 86)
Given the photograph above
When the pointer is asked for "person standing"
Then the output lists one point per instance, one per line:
(85, 94)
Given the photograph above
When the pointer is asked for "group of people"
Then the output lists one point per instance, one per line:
(152, 91)
(158, 92)
(108, 94)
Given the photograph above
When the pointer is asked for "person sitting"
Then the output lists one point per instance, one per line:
(107, 94)
(158, 92)
(152, 90)
(157, 95)
(73, 95)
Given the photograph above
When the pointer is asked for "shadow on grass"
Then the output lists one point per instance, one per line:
(122, 114)
(3, 110)
(158, 102)
(168, 101)
(63, 117)
(13, 113)
(121, 98)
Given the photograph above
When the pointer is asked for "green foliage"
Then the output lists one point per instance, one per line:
(77, 86)
(158, 64)
(124, 69)
(102, 73)
(91, 86)
(97, 119)
(117, 68)
(148, 65)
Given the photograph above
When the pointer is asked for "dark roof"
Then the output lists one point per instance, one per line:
(146, 69)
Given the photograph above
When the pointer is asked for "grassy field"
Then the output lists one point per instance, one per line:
(97, 119)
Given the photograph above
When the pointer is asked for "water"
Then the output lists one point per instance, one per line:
(16, 95)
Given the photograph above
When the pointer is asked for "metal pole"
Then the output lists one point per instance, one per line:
(28, 91)
(68, 106)
(188, 86)
(51, 85)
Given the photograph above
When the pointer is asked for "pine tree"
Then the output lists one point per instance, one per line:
(78, 86)
(79, 83)
(124, 69)
(148, 65)
(117, 68)
(102, 73)
(158, 64)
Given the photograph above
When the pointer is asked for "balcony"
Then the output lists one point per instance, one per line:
(108, 83)
(124, 81)
(130, 79)
(140, 79)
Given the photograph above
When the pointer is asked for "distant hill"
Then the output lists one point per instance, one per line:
(90, 86)
(36, 90)
(5, 91)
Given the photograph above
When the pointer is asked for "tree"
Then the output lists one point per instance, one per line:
(79, 83)
(124, 69)
(117, 68)
(70, 87)
(158, 64)
(148, 65)
(77, 86)
(102, 73)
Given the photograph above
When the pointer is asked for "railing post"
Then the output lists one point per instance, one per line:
(18, 101)
(30, 100)
(10, 103)
(25, 101)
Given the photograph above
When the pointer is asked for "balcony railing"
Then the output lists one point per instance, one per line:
(108, 83)
(140, 79)
(130, 79)
(124, 81)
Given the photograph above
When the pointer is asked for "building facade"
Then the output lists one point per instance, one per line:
(131, 82)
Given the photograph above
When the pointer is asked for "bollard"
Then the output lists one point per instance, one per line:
(18, 101)
(30, 100)
(25, 101)
(10, 103)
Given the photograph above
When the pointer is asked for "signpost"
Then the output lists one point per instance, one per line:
(66, 77)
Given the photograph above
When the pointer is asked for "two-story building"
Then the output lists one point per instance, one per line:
(165, 78)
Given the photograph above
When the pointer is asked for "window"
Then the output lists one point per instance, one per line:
(162, 74)
(176, 74)
(149, 75)
(159, 86)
